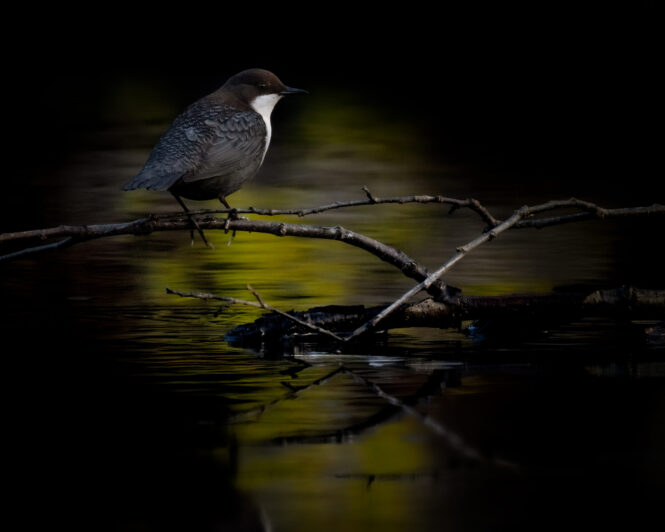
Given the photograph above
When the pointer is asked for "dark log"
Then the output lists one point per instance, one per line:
(555, 308)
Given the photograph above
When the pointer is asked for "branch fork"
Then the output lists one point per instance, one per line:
(513, 221)
(431, 282)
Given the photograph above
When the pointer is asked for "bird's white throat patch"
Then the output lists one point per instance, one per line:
(264, 105)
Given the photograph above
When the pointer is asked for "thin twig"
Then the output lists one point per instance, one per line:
(591, 210)
(396, 258)
(208, 296)
(461, 252)
(591, 213)
(371, 198)
(69, 241)
(260, 304)
(518, 216)
(83, 232)
(256, 295)
(455, 203)
(179, 221)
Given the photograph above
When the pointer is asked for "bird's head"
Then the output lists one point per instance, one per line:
(259, 88)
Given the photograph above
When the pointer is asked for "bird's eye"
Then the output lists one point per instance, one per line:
(262, 85)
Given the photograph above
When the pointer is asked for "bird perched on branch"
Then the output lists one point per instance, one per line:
(217, 143)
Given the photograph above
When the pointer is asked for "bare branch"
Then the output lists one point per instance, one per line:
(591, 209)
(69, 241)
(462, 251)
(518, 310)
(83, 232)
(409, 267)
(424, 285)
(257, 296)
(590, 214)
(143, 226)
(179, 221)
(260, 304)
(371, 198)
(208, 296)
(455, 204)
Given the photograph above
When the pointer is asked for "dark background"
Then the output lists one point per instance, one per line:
(565, 92)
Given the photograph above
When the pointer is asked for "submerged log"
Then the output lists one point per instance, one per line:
(555, 308)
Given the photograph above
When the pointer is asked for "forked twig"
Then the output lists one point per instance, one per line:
(179, 221)
(519, 217)
(261, 304)
(461, 252)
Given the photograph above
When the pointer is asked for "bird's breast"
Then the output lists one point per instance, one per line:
(264, 104)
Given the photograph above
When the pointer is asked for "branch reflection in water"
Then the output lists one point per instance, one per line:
(118, 384)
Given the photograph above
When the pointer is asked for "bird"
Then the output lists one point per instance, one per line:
(217, 143)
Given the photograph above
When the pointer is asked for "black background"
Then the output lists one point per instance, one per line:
(559, 92)
(566, 92)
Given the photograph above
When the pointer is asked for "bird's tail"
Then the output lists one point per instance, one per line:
(132, 185)
(151, 181)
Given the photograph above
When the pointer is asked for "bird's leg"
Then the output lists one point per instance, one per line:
(191, 219)
(232, 215)
(232, 212)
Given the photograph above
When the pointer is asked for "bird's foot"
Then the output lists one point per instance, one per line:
(193, 222)
(203, 237)
(233, 215)
(210, 245)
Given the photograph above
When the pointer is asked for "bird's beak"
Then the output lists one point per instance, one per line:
(291, 90)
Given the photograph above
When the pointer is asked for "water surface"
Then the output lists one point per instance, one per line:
(128, 410)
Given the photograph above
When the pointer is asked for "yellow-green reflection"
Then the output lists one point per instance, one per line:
(325, 151)
(394, 476)
(377, 476)
(377, 480)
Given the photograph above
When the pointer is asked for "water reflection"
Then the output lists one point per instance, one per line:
(136, 396)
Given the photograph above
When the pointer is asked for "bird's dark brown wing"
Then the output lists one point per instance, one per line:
(206, 140)
(238, 142)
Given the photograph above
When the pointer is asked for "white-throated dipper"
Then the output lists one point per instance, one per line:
(217, 143)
